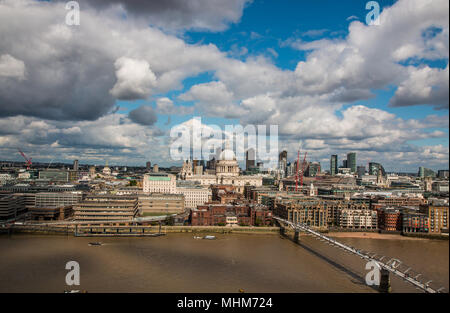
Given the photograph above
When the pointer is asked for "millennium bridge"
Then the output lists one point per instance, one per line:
(386, 265)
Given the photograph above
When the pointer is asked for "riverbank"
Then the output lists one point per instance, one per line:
(221, 229)
(55, 230)
(373, 235)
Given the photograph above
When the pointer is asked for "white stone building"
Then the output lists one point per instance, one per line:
(160, 183)
(227, 172)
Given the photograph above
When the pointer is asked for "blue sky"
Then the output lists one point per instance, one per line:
(269, 25)
(313, 68)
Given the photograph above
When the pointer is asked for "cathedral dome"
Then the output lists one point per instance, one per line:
(227, 155)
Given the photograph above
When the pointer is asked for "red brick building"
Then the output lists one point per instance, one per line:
(214, 214)
(225, 194)
(389, 219)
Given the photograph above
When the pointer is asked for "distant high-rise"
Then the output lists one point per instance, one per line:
(426, 172)
(313, 169)
(155, 168)
(351, 161)
(334, 164)
(75, 165)
(148, 166)
(443, 173)
(249, 159)
(374, 168)
(361, 170)
(344, 163)
(282, 162)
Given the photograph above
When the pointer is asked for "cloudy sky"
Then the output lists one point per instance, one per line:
(112, 87)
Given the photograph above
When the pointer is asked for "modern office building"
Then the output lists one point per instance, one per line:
(443, 174)
(334, 165)
(351, 161)
(250, 159)
(160, 203)
(54, 175)
(374, 169)
(313, 169)
(106, 209)
(282, 162)
(11, 206)
(361, 170)
(426, 172)
(75, 165)
(148, 166)
(50, 213)
(56, 199)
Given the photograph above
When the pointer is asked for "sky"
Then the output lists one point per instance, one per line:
(113, 87)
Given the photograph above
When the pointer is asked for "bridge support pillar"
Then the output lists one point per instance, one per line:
(385, 283)
(296, 236)
(282, 231)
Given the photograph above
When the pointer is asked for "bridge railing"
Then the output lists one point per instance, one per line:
(392, 265)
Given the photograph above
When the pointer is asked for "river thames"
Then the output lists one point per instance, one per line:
(180, 263)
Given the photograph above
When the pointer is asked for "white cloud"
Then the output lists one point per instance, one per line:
(423, 86)
(166, 106)
(11, 67)
(135, 79)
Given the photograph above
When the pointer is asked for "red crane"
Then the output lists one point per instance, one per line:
(28, 160)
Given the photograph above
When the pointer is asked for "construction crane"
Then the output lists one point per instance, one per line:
(28, 160)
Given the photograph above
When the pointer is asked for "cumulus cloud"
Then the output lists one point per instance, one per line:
(144, 115)
(213, 99)
(72, 77)
(369, 58)
(135, 79)
(424, 86)
(112, 137)
(213, 15)
(11, 67)
(166, 106)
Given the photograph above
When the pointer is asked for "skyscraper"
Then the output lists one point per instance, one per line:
(334, 164)
(361, 170)
(351, 161)
(249, 159)
(75, 165)
(374, 168)
(148, 166)
(282, 162)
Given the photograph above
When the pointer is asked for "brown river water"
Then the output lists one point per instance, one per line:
(180, 263)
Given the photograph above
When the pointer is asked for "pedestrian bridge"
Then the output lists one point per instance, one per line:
(387, 265)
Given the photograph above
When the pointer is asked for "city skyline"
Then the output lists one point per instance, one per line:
(315, 69)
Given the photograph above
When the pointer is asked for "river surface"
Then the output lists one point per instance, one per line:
(180, 263)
